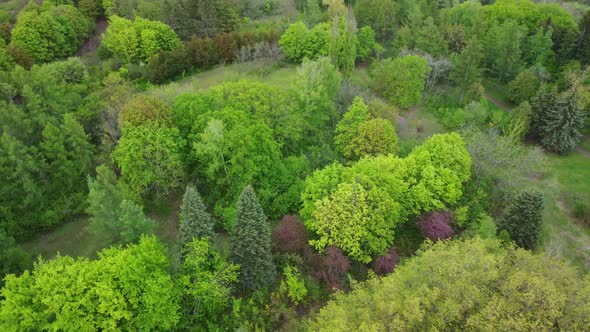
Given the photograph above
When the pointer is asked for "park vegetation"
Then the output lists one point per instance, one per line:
(298, 204)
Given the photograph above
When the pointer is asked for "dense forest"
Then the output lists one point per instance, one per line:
(294, 165)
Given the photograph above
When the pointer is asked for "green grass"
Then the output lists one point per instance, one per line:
(568, 177)
(200, 82)
(13, 6)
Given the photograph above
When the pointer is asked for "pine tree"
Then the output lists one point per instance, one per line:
(251, 243)
(523, 219)
(194, 219)
(557, 120)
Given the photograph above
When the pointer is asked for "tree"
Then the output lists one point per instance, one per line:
(194, 220)
(523, 218)
(467, 71)
(584, 39)
(290, 236)
(113, 217)
(347, 128)
(251, 243)
(385, 264)
(520, 122)
(124, 289)
(201, 17)
(539, 47)
(150, 158)
(359, 221)
(435, 226)
(13, 259)
(331, 267)
(503, 48)
(366, 46)
(401, 80)
(374, 137)
(557, 120)
(206, 282)
(524, 87)
(430, 38)
(142, 109)
(343, 43)
(138, 40)
(481, 284)
(378, 14)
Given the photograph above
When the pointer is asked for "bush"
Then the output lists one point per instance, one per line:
(581, 211)
(227, 46)
(290, 236)
(142, 109)
(435, 226)
(167, 65)
(386, 263)
(203, 51)
(330, 267)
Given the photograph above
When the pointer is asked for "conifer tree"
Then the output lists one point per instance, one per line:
(523, 218)
(195, 222)
(557, 120)
(251, 243)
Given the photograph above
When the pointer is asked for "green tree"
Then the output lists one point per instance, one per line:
(467, 67)
(343, 44)
(118, 220)
(150, 158)
(347, 128)
(13, 259)
(557, 120)
(401, 80)
(524, 87)
(251, 243)
(142, 109)
(358, 221)
(124, 289)
(473, 284)
(430, 38)
(523, 218)
(138, 40)
(366, 46)
(194, 220)
(206, 282)
(378, 14)
(503, 48)
(584, 39)
(520, 122)
(374, 137)
(201, 17)
(538, 48)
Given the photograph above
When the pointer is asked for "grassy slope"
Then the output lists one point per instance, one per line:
(568, 176)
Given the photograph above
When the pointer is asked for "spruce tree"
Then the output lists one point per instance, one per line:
(251, 243)
(523, 218)
(194, 219)
(557, 120)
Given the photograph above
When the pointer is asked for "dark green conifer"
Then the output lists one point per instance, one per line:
(523, 218)
(194, 219)
(251, 243)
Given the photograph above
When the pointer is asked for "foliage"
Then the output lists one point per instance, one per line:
(400, 80)
(194, 220)
(251, 243)
(205, 283)
(348, 127)
(298, 42)
(503, 47)
(331, 267)
(290, 236)
(374, 137)
(523, 218)
(13, 260)
(557, 120)
(46, 35)
(118, 220)
(435, 226)
(143, 109)
(201, 17)
(467, 71)
(138, 40)
(378, 14)
(125, 289)
(167, 65)
(481, 284)
(366, 45)
(150, 159)
(342, 48)
(385, 264)
(520, 122)
(294, 284)
(524, 87)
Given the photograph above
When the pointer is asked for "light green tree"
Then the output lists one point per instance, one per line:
(401, 80)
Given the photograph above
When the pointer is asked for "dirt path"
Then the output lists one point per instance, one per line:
(92, 44)
(498, 103)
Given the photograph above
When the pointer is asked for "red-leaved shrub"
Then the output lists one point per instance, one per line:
(435, 226)
(290, 236)
(386, 263)
(330, 267)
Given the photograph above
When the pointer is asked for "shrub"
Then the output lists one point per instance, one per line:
(523, 218)
(166, 65)
(435, 226)
(142, 109)
(202, 51)
(290, 236)
(386, 263)
(226, 45)
(331, 267)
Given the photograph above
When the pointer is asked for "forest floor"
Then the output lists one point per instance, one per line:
(91, 44)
